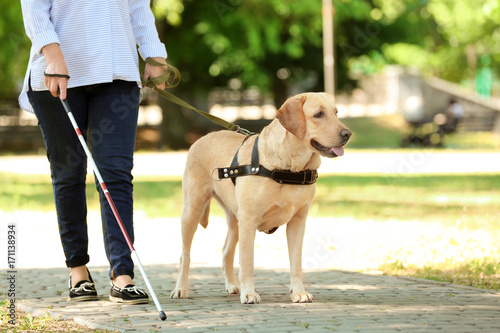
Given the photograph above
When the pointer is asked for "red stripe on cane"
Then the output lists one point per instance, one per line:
(78, 132)
(104, 188)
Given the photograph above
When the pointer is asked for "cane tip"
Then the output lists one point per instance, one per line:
(163, 316)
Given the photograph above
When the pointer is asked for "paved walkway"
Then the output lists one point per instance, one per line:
(343, 302)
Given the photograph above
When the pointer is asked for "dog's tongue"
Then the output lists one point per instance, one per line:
(339, 151)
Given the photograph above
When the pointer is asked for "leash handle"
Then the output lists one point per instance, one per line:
(171, 76)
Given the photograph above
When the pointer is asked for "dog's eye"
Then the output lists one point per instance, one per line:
(319, 115)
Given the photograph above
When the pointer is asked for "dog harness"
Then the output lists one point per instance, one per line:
(286, 177)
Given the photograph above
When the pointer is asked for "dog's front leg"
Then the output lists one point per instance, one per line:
(247, 230)
(295, 237)
(228, 251)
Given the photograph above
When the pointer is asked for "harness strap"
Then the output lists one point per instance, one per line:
(286, 177)
(234, 164)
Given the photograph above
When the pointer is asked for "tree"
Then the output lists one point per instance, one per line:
(15, 48)
(212, 42)
(276, 45)
(250, 40)
(471, 32)
(444, 38)
(273, 45)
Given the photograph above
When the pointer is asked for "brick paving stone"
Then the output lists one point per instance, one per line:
(344, 302)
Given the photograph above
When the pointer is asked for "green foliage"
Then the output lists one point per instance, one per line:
(214, 41)
(14, 53)
(218, 40)
(252, 40)
(468, 22)
(407, 54)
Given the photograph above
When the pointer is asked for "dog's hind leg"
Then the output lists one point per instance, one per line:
(195, 211)
(232, 285)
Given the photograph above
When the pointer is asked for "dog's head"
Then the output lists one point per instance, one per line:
(313, 117)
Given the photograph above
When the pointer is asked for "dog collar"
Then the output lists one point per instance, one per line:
(286, 177)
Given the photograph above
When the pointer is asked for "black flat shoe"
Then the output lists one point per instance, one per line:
(83, 291)
(130, 294)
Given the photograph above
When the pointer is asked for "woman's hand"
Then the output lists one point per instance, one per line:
(154, 71)
(55, 65)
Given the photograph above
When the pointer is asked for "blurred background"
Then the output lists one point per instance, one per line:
(405, 73)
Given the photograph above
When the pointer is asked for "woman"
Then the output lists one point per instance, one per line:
(86, 52)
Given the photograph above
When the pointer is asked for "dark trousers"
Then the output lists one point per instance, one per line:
(107, 117)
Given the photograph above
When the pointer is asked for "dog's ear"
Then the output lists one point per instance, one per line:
(291, 116)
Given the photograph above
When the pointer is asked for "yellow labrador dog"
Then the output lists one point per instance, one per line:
(306, 127)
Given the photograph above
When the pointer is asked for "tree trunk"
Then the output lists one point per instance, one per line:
(280, 91)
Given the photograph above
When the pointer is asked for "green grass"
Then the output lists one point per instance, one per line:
(47, 323)
(471, 199)
(478, 272)
(379, 132)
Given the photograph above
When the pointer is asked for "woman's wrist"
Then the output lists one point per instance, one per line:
(52, 52)
(160, 60)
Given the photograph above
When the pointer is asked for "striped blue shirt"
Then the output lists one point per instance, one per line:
(98, 38)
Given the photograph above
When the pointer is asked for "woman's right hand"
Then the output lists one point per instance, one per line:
(55, 65)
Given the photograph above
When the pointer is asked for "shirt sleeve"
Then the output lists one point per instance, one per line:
(143, 25)
(37, 23)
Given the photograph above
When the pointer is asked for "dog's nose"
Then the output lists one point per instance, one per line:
(346, 134)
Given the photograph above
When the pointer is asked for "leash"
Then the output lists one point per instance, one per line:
(172, 77)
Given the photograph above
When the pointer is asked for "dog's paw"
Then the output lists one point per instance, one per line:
(232, 289)
(302, 297)
(253, 298)
(179, 293)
